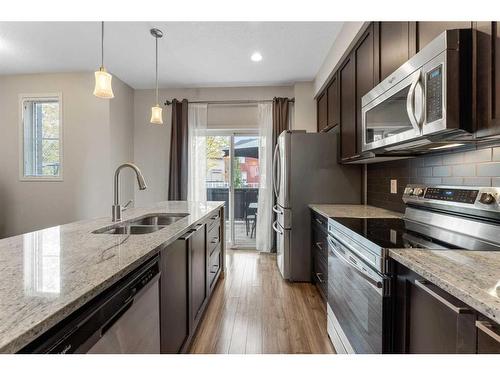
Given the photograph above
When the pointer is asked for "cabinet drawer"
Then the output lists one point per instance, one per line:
(319, 222)
(320, 273)
(320, 243)
(213, 220)
(213, 238)
(214, 266)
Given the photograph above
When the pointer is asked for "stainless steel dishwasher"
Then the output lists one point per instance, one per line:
(124, 319)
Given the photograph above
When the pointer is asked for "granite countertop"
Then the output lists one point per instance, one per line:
(48, 274)
(353, 210)
(471, 276)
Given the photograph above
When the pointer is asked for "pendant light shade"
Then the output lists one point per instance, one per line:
(103, 88)
(156, 110)
(156, 115)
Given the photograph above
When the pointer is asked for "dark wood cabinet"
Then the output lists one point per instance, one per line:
(347, 98)
(364, 58)
(392, 47)
(322, 111)
(174, 297)
(319, 252)
(488, 336)
(488, 78)
(333, 103)
(429, 320)
(198, 273)
(428, 30)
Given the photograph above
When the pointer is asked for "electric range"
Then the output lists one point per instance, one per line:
(359, 281)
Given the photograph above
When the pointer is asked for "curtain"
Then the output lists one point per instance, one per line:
(280, 117)
(264, 233)
(178, 172)
(197, 140)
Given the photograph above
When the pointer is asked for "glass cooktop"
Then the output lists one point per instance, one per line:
(391, 233)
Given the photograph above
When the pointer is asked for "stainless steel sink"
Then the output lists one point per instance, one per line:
(143, 225)
(158, 219)
(129, 229)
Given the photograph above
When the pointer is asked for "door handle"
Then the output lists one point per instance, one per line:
(423, 284)
(276, 179)
(485, 327)
(410, 103)
(276, 229)
(275, 209)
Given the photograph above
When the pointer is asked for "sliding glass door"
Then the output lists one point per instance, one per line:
(233, 177)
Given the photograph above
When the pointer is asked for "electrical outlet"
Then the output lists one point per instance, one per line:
(394, 186)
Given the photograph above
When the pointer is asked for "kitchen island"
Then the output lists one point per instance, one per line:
(48, 274)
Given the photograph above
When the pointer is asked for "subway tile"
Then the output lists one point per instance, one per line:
(496, 154)
(464, 170)
(453, 181)
(456, 158)
(441, 171)
(424, 172)
(478, 156)
(433, 160)
(477, 181)
(495, 181)
(432, 180)
(488, 169)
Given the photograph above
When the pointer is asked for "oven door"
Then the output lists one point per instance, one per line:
(395, 115)
(358, 302)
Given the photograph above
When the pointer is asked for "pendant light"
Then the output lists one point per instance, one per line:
(103, 87)
(156, 115)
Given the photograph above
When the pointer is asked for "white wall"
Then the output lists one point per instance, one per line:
(152, 142)
(344, 41)
(305, 107)
(89, 152)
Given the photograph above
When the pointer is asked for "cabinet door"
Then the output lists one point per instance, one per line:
(393, 46)
(488, 79)
(365, 76)
(174, 301)
(427, 31)
(488, 336)
(322, 104)
(198, 273)
(333, 103)
(347, 99)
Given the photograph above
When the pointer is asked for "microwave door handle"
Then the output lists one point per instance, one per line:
(410, 104)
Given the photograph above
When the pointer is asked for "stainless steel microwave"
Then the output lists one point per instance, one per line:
(426, 103)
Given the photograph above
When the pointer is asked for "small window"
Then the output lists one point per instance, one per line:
(41, 134)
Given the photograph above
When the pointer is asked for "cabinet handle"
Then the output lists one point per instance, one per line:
(215, 240)
(318, 221)
(485, 327)
(459, 310)
(318, 244)
(318, 275)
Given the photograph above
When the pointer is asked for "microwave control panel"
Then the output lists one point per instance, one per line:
(434, 94)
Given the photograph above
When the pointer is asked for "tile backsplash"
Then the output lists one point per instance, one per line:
(468, 168)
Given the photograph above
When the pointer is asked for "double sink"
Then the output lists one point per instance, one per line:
(142, 225)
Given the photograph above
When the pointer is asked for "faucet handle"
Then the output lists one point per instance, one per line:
(125, 206)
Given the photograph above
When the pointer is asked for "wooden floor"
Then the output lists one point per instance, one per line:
(253, 310)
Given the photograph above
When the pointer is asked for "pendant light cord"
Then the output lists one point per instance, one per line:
(102, 44)
(156, 39)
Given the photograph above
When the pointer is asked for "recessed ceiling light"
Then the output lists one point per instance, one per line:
(256, 57)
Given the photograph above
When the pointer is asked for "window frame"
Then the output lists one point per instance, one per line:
(40, 96)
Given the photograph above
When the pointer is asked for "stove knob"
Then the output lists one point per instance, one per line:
(418, 192)
(487, 198)
(409, 191)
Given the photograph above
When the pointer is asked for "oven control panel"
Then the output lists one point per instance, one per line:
(452, 195)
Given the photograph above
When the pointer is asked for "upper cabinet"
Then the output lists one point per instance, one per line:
(488, 79)
(392, 46)
(322, 103)
(427, 31)
(333, 103)
(348, 136)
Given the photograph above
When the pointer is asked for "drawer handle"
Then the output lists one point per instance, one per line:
(318, 221)
(485, 327)
(459, 310)
(318, 275)
(215, 240)
(318, 244)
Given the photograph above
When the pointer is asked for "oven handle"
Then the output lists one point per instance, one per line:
(410, 103)
(349, 261)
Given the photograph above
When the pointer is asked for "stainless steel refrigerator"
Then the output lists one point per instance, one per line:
(305, 171)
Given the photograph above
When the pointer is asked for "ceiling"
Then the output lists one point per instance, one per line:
(192, 54)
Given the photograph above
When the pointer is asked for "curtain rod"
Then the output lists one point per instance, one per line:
(168, 102)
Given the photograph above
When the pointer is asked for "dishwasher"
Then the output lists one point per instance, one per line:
(124, 319)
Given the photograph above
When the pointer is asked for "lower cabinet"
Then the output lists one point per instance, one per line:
(319, 253)
(428, 320)
(190, 268)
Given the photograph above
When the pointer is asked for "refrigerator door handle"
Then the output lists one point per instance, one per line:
(276, 172)
(276, 229)
(277, 209)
